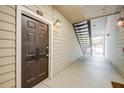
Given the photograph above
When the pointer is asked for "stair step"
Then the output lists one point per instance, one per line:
(83, 33)
(81, 28)
(80, 23)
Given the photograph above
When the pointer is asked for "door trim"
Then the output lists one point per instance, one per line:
(19, 10)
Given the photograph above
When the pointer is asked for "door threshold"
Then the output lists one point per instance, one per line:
(41, 83)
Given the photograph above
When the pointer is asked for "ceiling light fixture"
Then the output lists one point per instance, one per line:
(120, 22)
(57, 23)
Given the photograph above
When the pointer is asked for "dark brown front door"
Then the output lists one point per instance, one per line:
(34, 51)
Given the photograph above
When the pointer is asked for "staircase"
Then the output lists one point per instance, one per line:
(83, 33)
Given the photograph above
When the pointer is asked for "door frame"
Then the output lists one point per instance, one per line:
(19, 10)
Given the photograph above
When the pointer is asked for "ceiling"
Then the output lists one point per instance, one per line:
(77, 13)
(98, 26)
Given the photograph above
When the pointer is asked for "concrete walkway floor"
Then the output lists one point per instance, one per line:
(86, 72)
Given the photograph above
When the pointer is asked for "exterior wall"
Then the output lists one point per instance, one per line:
(65, 45)
(115, 43)
(66, 48)
(7, 46)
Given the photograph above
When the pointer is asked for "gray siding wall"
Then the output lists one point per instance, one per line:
(65, 45)
(7, 46)
(115, 43)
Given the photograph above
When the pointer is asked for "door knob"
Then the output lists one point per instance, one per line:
(47, 55)
(47, 47)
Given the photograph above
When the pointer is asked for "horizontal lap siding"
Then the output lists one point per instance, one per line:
(7, 46)
(115, 43)
(7, 61)
(65, 46)
(7, 35)
(7, 77)
(8, 84)
(7, 69)
(7, 18)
